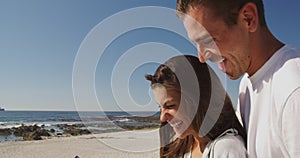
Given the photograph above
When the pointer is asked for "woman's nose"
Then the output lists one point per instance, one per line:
(165, 115)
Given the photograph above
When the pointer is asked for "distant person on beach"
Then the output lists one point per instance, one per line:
(198, 119)
(269, 94)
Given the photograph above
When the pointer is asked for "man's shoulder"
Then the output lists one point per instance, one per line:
(289, 55)
(286, 77)
(287, 69)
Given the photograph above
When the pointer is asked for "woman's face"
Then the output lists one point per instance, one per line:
(169, 102)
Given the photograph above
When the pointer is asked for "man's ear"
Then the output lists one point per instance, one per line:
(249, 16)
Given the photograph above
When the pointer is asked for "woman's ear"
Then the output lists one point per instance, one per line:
(248, 15)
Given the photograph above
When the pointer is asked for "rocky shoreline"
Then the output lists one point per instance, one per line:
(35, 132)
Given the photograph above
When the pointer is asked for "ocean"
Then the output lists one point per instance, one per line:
(96, 122)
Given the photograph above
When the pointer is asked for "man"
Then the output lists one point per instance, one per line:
(269, 97)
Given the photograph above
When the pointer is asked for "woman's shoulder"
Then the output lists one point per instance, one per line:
(229, 146)
(229, 141)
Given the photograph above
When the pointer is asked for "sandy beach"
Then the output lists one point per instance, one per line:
(127, 144)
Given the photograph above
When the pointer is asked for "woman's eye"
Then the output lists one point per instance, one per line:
(170, 106)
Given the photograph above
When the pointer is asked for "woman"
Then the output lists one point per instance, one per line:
(198, 119)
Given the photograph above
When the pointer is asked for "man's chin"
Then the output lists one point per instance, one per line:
(232, 76)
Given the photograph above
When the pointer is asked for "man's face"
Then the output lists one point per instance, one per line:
(216, 41)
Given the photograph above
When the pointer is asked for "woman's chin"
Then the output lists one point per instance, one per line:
(180, 135)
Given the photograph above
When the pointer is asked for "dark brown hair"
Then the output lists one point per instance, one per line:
(210, 89)
(227, 9)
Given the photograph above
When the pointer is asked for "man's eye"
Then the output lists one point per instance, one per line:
(208, 41)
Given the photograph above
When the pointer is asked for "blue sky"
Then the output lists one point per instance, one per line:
(39, 41)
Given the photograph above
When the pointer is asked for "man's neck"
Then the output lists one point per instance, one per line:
(263, 47)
